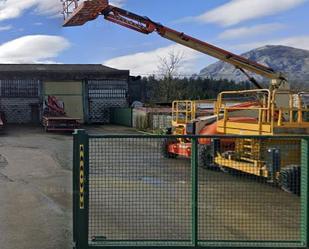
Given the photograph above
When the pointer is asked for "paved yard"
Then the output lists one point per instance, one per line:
(135, 194)
(35, 187)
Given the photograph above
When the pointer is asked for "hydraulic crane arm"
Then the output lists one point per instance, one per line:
(89, 10)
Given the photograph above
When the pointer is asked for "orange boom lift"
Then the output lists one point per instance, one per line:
(77, 15)
(277, 110)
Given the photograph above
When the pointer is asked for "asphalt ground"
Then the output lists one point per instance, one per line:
(36, 187)
(135, 194)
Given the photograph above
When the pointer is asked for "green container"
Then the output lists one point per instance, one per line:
(121, 116)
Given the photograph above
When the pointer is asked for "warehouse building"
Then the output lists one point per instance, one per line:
(89, 92)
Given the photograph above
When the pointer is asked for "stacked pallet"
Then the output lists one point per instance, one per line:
(60, 123)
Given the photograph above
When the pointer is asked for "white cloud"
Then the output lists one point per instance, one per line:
(147, 62)
(32, 49)
(14, 8)
(5, 28)
(252, 31)
(48, 7)
(301, 42)
(118, 3)
(237, 11)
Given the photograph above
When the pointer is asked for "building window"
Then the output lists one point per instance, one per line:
(107, 89)
(19, 88)
(108, 93)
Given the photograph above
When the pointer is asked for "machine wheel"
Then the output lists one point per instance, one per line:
(227, 170)
(164, 148)
(289, 179)
(205, 157)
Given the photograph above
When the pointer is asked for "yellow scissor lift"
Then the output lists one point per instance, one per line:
(273, 112)
(282, 113)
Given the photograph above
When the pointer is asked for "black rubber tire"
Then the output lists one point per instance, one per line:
(206, 157)
(226, 169)
(164, 148)
(289, 179)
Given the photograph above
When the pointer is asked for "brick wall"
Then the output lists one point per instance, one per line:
(17, 110)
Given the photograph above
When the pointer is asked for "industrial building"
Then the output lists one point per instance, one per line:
(87, 91)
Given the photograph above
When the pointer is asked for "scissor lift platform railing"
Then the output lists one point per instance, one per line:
(85, 12)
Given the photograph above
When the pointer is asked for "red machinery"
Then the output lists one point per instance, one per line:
(55, 119)
(54, 106)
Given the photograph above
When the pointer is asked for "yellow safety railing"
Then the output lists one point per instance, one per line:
(289, 113)
(183, 111)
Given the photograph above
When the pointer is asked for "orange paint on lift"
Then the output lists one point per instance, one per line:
(86, 11)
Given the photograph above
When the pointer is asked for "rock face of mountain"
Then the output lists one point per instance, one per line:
(292, 62)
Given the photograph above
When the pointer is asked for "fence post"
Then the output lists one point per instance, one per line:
(80, 188)
(304, 191)
(194, 189)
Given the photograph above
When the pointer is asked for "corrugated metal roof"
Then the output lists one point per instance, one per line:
(60, 71)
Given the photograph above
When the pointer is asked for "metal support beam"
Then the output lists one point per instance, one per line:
(194, 189)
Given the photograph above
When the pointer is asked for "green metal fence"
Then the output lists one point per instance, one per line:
(129, 192)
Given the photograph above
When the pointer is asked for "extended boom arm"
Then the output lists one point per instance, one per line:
(90, 10)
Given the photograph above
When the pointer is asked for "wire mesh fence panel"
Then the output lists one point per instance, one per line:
(249, 190)
(194, 191)
(135, 194)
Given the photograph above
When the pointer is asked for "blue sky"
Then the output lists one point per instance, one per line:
(31, 32)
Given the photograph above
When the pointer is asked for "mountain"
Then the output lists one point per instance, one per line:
(292, 62)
